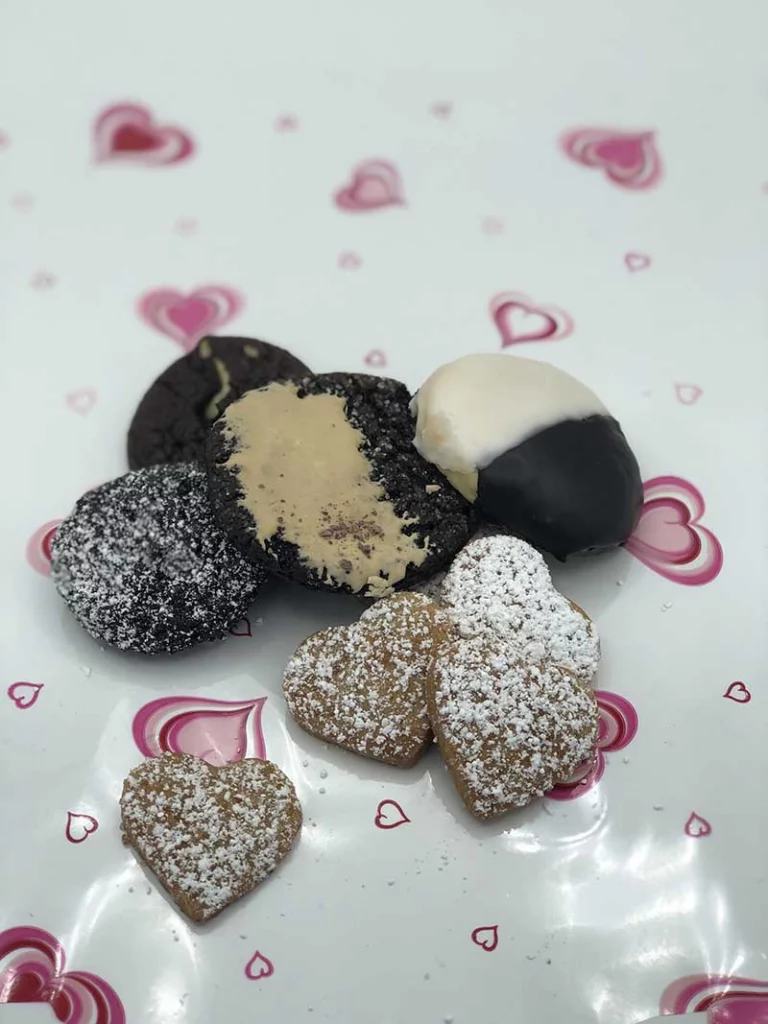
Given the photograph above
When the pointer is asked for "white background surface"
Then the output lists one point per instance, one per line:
(600, 902)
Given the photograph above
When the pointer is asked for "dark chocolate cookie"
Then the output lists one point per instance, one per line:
(321, 483)
(142, 565)
(175, 415)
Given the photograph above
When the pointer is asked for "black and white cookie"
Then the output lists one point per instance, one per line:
(174, 416)
(536, 450)
(142, 565)
(321, 483)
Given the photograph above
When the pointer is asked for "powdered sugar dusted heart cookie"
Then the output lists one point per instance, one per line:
(502, 585)
(209, 834)
(507, 729)
(361, 687)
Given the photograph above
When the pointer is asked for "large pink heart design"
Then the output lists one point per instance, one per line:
(729, 999)
(669, 538)
(32, 965)
(128, 133)
(628, 159)
(518, 319)
(186, 318)
(373, 184)
(218, 731)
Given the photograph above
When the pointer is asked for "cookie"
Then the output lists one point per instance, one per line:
(320, 483)
(174, 416)
(501, 586)
(508, 730)
(536, 450)
(142, 565)
(209, 834)
(361, 687)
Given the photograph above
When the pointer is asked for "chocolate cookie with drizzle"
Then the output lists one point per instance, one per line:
(319, 482)
(174, 416)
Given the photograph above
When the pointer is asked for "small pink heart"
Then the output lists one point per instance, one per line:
(628, 159)
(487, 937)
(389, 814)
(697, 827)
(442, 110)
(218, 731)
(669, 538)
(519, 319)
(493, 226)
(81, 400)
(186, 225)
(79, 827)
(259, 966)
(186, 318)
(39, 546)
(287, 123)
(350, 261)
(688, 394)
(739, 693)
(24, 695)
(127, 132)
(375, 358)
(374, 184)
(242, 628)
(637, 261)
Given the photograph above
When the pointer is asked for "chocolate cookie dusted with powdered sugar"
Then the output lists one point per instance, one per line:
(508, 729)
(210, 834)
(361, 687)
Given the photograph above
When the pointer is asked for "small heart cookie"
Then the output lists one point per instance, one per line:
(502, 584)
(209, 834)
(361, 687)
(508, 730)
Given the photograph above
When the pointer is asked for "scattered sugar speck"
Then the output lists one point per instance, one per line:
(323, 773)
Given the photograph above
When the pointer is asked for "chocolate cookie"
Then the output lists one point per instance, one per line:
(175, 415)
(321, 483)
(142, 565)
(534, 448)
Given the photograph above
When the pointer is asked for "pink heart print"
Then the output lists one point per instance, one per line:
(637, 261)
(628, 159)
(259, 966)
(688, 394)
(128, 133)
(373, 185)
(32, 966)
(618, 723)
(376, 359)
(349, 261)
(486, 937)
(697, 827)
(519, 318)
(218, 731)
(670, 538)
(186, 318)
(241, 628)
(79, 827)
(728, 999)
(82, 400)
(389, 814)
(39, 546)
(24, 695)
(738, 693)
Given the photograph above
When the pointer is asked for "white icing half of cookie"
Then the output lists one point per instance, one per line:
(474, 409)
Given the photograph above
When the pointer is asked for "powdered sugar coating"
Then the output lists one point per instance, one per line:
(209, 834)
(508, 731)
(142, 565)
(362, 686)
(502, 585)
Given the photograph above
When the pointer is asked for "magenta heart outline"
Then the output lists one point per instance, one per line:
(697, 993)
(38, 550)
(702, 559)
(87, 822)
(185, 319)
(373, 185)
(266, 967)
(558, 323)
(491, 942)
(201, 727)
(382, 819)
(172, 144)
(592, 147)
(24, 695)
(738, 687)
(34, 960)
(697, 827)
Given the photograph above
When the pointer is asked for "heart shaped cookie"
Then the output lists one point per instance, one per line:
(508, 730)
(361, 687)
(209, 834)
(502, 585)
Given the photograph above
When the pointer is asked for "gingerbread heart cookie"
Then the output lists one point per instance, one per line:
(502, 585)
(361, 687)
(209, 834)
(508, 729)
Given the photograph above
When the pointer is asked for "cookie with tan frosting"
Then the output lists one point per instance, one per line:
(320, 482)
(361, 686)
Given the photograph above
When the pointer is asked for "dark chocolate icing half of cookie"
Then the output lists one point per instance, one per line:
(320, 482)
(174, 416)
